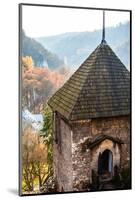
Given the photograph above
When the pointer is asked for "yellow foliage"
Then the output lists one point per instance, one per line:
(27, 62)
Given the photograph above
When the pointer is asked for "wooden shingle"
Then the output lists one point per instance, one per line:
(99, 88)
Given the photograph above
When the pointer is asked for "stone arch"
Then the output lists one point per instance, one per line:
(98, 150)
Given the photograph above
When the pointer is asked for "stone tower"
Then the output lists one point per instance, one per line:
(92, 121)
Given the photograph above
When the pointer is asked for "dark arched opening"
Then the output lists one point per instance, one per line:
(62, 189)
(105, 162)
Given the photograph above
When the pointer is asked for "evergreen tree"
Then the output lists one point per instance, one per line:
(47, 134)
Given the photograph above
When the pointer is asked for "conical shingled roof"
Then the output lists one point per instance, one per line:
(99, 88)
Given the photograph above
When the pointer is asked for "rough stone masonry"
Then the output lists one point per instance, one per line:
(92, 122)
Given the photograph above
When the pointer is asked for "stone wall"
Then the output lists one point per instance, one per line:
(80, 160)
(84, 162)
(63, 158)
(73, 166)
(115, 127)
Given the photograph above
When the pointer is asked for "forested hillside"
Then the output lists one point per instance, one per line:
(40, 55)
(75, 47)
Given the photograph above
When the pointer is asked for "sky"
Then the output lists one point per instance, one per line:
(40, 21)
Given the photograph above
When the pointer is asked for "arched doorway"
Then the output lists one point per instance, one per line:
(105, 163)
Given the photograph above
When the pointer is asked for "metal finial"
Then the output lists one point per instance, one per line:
(103, 31)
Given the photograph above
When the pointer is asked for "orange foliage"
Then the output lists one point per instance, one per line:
(40, 83)
(40, 74)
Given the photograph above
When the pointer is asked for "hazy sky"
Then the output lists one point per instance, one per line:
(45, 21)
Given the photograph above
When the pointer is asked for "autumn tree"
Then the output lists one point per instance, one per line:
(34, 161)
(27, 62)
(38, 84)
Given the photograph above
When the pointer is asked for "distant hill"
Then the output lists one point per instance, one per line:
(40, 55)
(76, 46)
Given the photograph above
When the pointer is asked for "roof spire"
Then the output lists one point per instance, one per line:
(103, 31)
